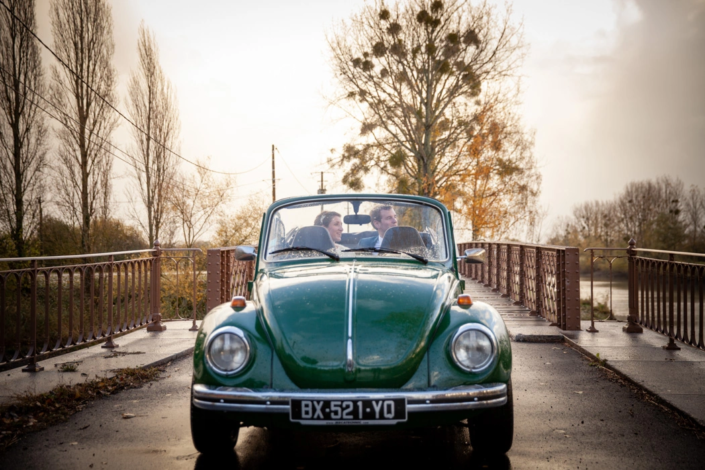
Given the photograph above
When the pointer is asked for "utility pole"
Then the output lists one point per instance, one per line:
(274, 181)
(322, 189)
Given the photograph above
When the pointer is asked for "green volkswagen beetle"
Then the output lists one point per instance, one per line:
(357, 321)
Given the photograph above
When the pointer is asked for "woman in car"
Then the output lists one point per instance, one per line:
(333, 222)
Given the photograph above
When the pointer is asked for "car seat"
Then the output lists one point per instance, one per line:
(314, 237)
(402, 238)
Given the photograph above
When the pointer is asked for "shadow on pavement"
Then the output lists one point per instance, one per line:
(444, 447)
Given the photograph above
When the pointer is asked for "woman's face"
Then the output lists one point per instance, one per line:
(335, 228)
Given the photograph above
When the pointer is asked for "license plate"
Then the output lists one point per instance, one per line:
(348, 412)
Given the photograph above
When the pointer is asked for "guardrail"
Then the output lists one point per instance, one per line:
(49, 310)
(665, 295)
(226, 276)
(543, 278)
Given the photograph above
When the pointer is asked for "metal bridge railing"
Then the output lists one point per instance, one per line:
(48, 310)
(665, 295)
(227, 277)
(543, 278)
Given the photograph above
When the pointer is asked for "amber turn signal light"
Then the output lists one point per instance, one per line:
(464, 300)
(238, 302)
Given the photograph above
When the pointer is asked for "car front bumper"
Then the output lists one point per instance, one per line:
(244, 400)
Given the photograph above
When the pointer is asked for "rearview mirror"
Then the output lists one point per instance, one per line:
(245, 253)
(357, 219)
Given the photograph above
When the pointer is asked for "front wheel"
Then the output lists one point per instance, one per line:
(212, 434)
(493, 431)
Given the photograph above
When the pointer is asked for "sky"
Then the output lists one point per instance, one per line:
(613, 89)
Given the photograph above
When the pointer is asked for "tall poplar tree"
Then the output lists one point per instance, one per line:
(23, 130)
(83, 39)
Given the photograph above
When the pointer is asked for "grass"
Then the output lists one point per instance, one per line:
(31, 413)
(68, 367)
(598, 362)
(602, 309)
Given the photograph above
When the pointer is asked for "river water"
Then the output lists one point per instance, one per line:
(620, 294)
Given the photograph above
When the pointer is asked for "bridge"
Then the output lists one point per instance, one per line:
(564, 407)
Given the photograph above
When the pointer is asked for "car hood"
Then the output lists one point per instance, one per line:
(388, 309)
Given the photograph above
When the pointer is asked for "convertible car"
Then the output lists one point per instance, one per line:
(356, 321)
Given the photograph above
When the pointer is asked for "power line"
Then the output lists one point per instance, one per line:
(104, 140)
(292, 173)
(117, 110)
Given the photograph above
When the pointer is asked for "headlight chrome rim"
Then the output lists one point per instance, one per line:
(233, 331)
(493, 340)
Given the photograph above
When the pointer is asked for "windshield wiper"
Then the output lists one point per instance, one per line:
(306, 248)
(384, 250)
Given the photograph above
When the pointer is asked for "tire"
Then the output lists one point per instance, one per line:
(492, 432)
(212, 434)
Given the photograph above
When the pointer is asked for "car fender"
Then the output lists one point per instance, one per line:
(443, 372)
(258, 372)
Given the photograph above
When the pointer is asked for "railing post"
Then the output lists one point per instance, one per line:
(194, 326)
(571, 277)
(110, 344)
(507, 273)
(671, 346)
(592, 328)
(538, 279)
(488, 281)
(155, 288)
(32, 366)
(213, 279)
(632, 325)
(483, 266)
(559, 319)
(522, 284)
(496, 263)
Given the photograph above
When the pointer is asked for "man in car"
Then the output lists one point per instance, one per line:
(383, 218)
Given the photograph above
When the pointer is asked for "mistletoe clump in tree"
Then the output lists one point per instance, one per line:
(433, 86)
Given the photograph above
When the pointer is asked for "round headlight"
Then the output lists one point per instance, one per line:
(474, 347)
(227, 350)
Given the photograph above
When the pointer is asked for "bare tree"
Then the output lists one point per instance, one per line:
(694, 208)
(196, 200)
(415, 75)
(243, 226)
(23, 130)
(152, 106)
(83, 39)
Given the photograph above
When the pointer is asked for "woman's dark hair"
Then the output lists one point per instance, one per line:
(324, 218)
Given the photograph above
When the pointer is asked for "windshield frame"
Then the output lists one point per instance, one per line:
(371, 198)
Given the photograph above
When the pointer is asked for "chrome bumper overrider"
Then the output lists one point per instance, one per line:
(468, 397)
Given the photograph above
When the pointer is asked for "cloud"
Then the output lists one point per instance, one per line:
(648, 117)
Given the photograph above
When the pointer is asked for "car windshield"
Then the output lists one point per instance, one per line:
(355, 228)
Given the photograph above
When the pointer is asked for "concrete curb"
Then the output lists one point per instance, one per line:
(662, 401)
(168, 359)
(522, 338)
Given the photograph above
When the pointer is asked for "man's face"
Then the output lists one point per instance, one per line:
(388, 219)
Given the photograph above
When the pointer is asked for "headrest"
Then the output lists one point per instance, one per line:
(314, 237)
(402, 238)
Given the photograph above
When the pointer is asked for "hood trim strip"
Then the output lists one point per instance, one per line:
(349, 353)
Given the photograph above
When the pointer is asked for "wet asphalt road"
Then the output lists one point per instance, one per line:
(568, 415)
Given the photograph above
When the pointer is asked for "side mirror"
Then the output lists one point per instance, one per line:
(475, 256)
(245, 253)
